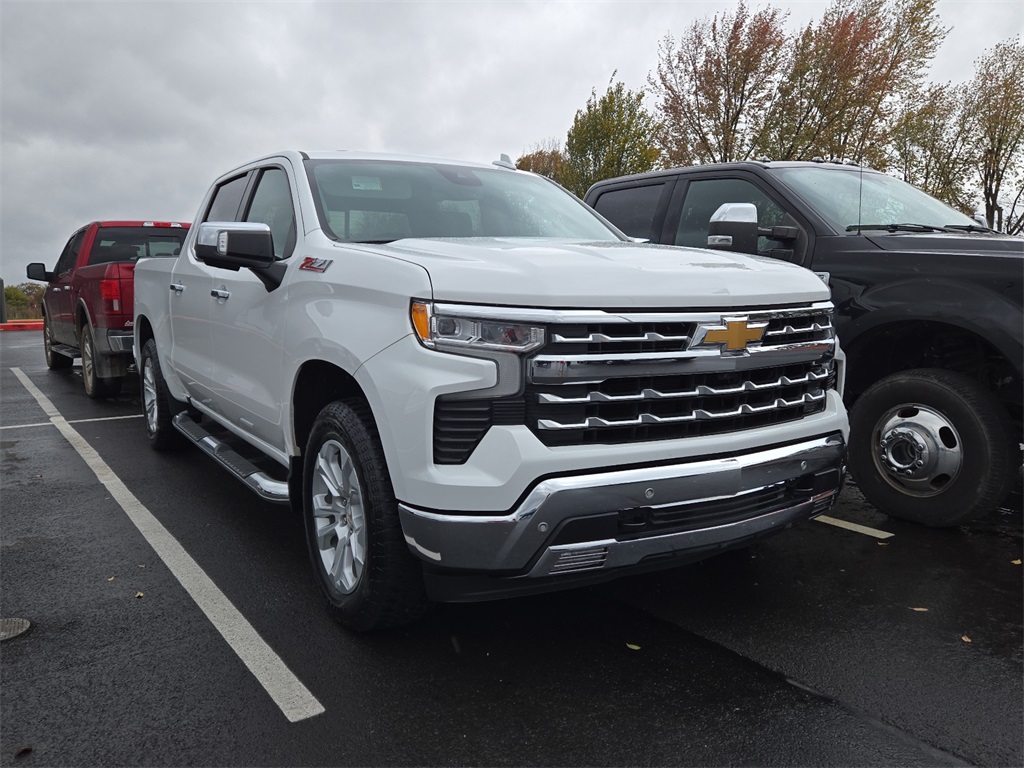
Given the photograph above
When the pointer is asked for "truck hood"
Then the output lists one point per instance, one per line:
(967, 243)
(560, 273)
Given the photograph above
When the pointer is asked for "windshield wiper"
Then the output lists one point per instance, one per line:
(969, 228)
(895, 227)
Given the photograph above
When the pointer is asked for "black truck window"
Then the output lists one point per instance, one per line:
(272, 205)
(632, 209)
(703, 198)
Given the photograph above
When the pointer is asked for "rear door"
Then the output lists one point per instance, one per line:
(637, 208)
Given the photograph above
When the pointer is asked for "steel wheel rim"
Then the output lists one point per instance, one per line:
(47, 342)
(917, 449)
(339, 517)
(88, 369)
(149, 395)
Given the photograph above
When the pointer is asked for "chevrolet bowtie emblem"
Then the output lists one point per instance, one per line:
(734, 333)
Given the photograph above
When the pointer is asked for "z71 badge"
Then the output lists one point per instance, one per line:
(315, 265)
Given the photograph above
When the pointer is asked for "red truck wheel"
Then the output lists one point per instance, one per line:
(95, 387)
(54, 361)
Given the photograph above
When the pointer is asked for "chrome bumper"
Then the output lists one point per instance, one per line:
(529, 541)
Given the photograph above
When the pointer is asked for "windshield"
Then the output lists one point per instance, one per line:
(851, 200)
(381, 201)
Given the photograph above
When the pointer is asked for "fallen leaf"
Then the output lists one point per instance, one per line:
(23, 752)
(965, 638)
(1016, 562)
(138, 594)
(920, 610)
(633, 647)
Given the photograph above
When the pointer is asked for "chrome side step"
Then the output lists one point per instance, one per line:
(258, 481)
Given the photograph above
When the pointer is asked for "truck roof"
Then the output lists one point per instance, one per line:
(764, 164)
(183, 224)
(346, 154)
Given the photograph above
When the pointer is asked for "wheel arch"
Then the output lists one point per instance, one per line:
(318, 383)
(987, 355)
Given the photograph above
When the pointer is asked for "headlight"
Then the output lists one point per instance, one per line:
(469, 334)
(478, 332)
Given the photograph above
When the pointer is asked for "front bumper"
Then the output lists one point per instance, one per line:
(599, 524)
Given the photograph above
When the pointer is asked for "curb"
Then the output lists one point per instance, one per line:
(22, 325)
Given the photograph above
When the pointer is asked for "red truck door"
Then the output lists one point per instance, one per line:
(58, 299)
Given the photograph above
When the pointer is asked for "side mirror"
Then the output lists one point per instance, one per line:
(235, 244)
(733, 227)
(37, 271)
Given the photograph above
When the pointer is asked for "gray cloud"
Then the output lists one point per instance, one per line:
(130, 109)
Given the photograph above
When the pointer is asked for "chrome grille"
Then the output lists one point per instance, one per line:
(648, 377)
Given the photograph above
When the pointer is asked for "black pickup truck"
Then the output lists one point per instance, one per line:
(928, 309)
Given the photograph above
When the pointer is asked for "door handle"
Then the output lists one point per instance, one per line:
(177, 288)
(220, 293)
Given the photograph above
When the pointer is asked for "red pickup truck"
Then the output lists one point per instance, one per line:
(88, 304)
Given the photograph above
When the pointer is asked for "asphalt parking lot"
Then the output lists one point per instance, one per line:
(175, 621)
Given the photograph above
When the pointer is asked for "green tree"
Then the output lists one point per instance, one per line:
(612, 136)
(996, 109)
(546, 159)
(15, 298)
(930, 145)
(846, 73)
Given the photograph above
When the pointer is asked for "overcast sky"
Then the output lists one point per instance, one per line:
(130, 109)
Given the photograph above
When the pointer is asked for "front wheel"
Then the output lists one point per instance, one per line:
(362, 563)
(95, 387)
(931, 446)
(54, 361)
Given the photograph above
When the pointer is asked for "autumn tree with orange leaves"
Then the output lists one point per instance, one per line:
(738, 86)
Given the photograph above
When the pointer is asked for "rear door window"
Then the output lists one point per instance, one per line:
(632, 209)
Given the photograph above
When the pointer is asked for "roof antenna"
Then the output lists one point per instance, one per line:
(505, 162)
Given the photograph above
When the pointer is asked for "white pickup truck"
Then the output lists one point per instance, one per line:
(471, 386)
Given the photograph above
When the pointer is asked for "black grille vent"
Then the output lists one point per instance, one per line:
(459, 425)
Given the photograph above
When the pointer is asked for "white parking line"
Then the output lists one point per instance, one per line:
(854, 527)
(287, 691)
(72, 421)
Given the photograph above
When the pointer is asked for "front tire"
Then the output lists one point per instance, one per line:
(95, 387)
(54, 361)
(362, 563)
(931, 446)
(157, 402)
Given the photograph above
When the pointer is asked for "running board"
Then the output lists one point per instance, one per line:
(258, 481)
(65, 350)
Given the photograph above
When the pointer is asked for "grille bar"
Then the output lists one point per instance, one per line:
(698, 415)
(603, 338)
(701, 390)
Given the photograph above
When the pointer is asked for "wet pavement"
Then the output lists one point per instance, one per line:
(820, 646)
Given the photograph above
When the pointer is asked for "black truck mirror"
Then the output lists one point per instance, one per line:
(733, 227)
(37, 271)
